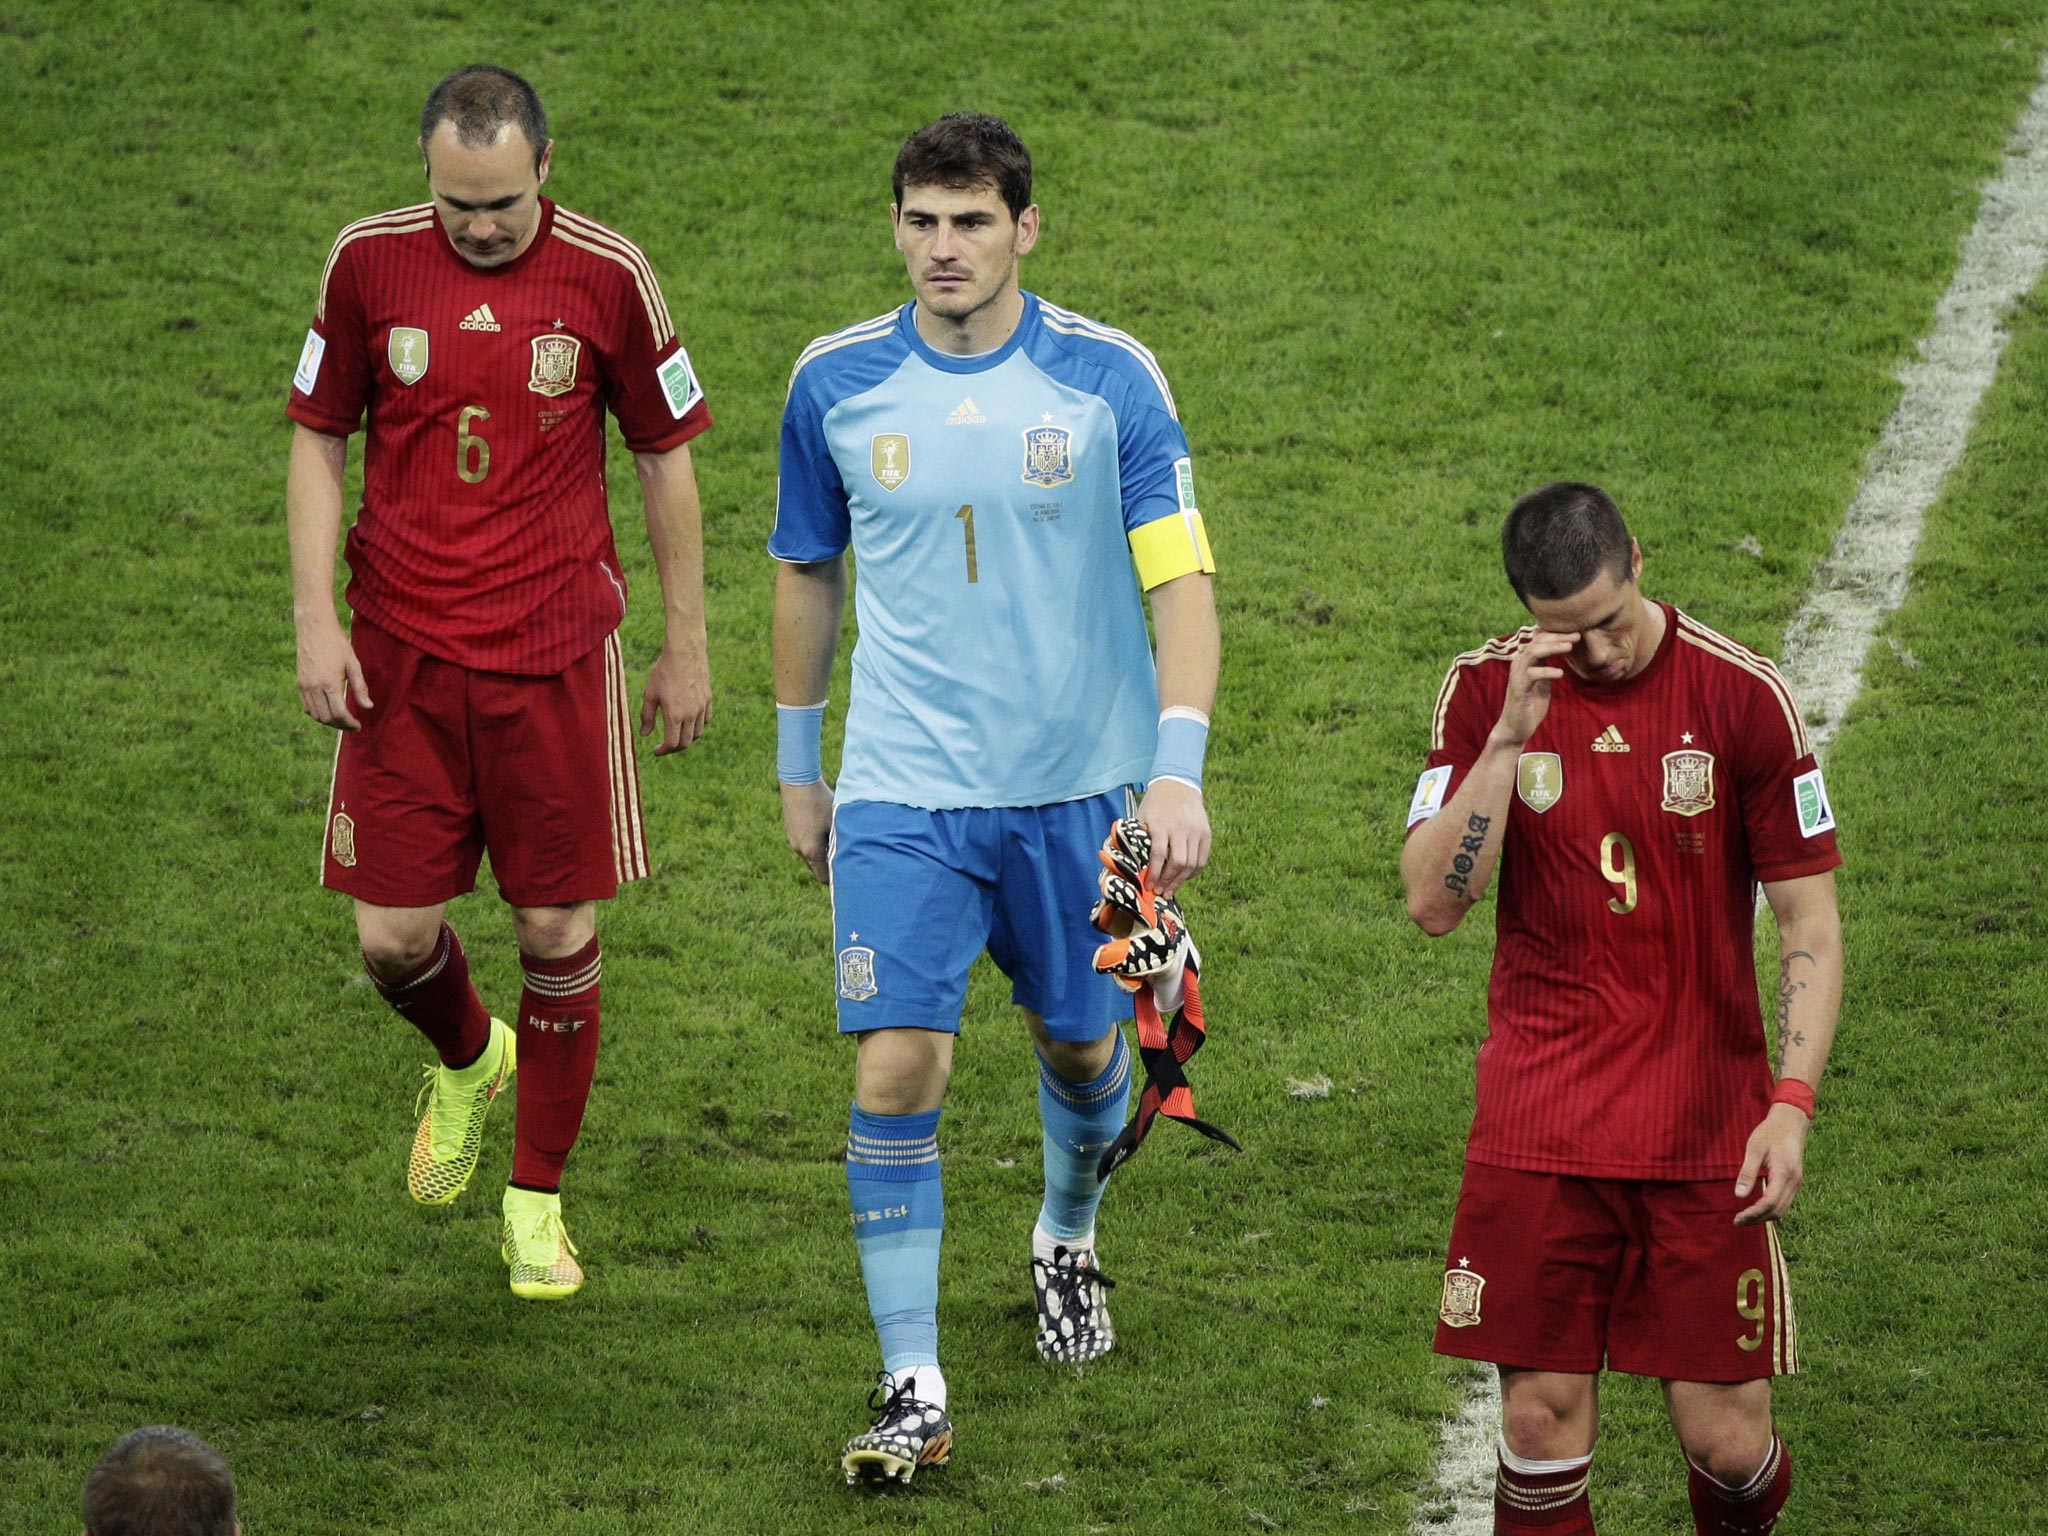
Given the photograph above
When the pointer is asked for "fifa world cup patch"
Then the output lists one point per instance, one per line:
(889, 459)
(1460, 1306)
(406, 350)
(342, 840)
(308, 372)
(554, 364)
(1539, 780)
(1688, 782)
(857, 973)
(1429, 793)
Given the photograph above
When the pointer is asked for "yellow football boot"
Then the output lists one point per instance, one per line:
(543, 1260)
(452, 1108)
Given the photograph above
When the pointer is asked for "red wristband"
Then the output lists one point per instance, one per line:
(1799, 1095)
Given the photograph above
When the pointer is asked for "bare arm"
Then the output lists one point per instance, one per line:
(328, 671)
(810, 601)
(679, 686)
(1190, 656)
(1809, 1006)
(1450, 858)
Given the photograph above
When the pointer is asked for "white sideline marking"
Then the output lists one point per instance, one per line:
(1859, 585)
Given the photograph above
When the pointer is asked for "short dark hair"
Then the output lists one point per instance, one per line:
(480, 99)
(966, 149)
(1560, 537)
(160, 1481)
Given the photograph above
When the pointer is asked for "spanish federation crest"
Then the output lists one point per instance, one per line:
(1688, 782)
(1460, 1307)
(1539, 780)
(889, 459)
(857, 973)
(343, 840)
(554, 364)
(407, 352)
(1048, 456)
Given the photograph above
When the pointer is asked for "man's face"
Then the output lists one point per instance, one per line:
(1612, 620)
(961, 245)
(489, 198)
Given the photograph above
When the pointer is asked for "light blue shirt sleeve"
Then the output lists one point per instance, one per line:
(811, 519)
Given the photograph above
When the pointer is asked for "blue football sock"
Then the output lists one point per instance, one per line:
(892, 1175)
(1080, 1121)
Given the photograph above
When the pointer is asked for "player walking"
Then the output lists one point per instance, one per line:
(998, 466)
(1632, 774)
(481, 690)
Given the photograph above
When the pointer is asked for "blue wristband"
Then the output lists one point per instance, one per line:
(800, 742)
(1183, 739)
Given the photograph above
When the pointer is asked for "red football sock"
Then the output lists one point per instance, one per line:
(1550, 1503)
(1752, 1509)
(438, 1001)
(558, 1021)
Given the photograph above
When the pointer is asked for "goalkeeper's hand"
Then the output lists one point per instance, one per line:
(1148, 932)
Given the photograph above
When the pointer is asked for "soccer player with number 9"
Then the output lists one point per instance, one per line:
(1631, 776)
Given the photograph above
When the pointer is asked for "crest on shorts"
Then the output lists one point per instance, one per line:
(857, 973)
(342, 840)
(889, 458)
(1688, 782)
(1048, 456)
(554, 364)
(1460, 1307)
(407, 352)
(1539, 780)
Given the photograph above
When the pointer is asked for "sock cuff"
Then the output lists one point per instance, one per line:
(1528, 1466)
(1108, 1084)
(1757, 1486)
(446, 947)
(900, 1148)
(567, 976)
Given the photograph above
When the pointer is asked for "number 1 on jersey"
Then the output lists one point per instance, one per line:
(966, 516)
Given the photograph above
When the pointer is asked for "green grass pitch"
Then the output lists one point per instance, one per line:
(1400, 262)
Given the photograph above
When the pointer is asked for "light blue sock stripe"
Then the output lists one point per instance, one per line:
(892, 1180)
(1079, 1120)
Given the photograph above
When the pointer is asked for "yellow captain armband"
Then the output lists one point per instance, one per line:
(1174, 545)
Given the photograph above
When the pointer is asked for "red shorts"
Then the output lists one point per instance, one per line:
(452, 762)
(1552, 1272)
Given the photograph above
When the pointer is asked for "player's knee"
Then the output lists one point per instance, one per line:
(1546, 1426)
(394, 948)
(1730, 1451)
(553, 932)
(902, 1071)
(1079, 1061)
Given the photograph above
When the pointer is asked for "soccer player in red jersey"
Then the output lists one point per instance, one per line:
(480, 690)
(1632, 776)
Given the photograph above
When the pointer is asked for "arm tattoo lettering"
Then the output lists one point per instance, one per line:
(1787, 990)
(1459, 880)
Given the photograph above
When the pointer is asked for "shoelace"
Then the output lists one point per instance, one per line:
(547, 1231)
(888, 1403)
(1069, 1275)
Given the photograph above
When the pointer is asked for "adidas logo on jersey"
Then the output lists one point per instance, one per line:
(1609, 740)
(966, 414)
(480, 319)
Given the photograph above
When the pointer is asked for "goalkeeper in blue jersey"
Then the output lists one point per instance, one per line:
(1012, 481)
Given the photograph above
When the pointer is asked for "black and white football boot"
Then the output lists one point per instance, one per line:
(1073, 1307)
(908, 1433)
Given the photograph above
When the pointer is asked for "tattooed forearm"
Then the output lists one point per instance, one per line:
(1469, 846)
(1787, 990)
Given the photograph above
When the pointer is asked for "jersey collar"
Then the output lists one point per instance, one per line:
(540, 235)
(981, 362)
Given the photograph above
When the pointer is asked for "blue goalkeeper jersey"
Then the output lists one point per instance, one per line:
(995, 506)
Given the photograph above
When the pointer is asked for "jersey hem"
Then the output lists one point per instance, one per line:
(1030, 803)
(1585, 1168)
(1820, 864)
(328, 424)
(684, 431)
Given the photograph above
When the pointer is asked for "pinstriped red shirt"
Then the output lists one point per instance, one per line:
(485, 534)
(1624, 1034)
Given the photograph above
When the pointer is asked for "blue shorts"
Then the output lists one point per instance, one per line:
(917, 895)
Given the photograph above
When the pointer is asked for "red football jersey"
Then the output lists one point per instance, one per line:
(1624, 1034)
(485, 535)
